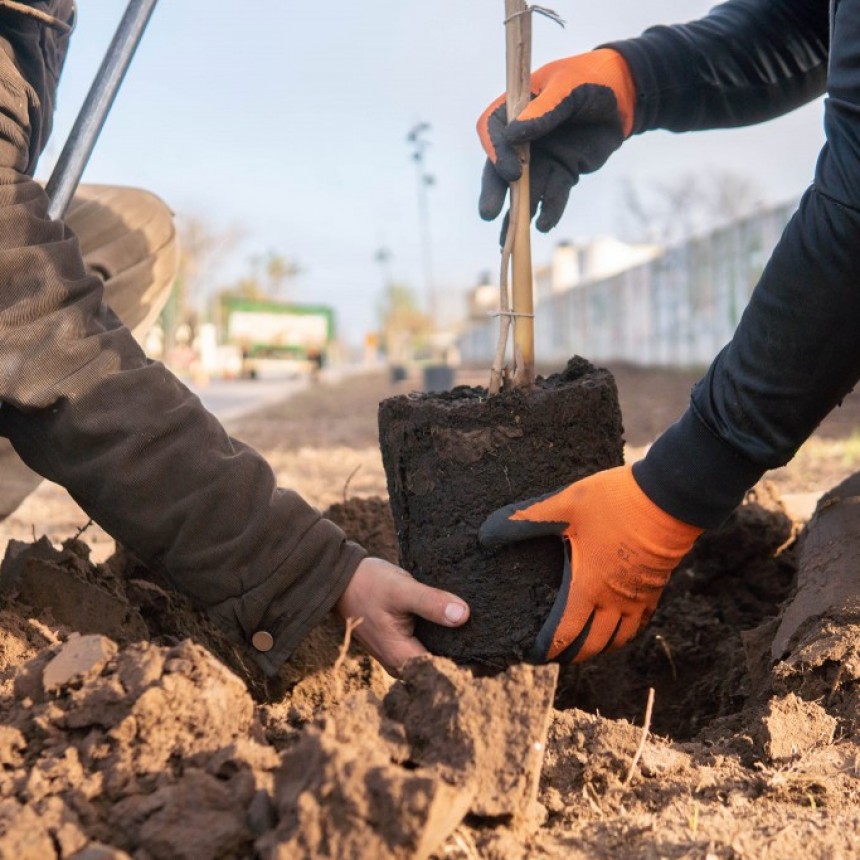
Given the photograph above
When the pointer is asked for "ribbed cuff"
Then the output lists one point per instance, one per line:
(302, 605)
(289, 631)
(694, 475)
(646, 107)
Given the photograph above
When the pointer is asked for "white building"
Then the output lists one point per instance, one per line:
(584, 261)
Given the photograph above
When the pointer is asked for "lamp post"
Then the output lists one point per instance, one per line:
(383, 257)
(418, 140)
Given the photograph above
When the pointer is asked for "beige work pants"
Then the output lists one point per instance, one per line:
(128, 238)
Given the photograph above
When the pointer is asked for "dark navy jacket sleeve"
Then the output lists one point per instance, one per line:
(747, 61)
(795, 353)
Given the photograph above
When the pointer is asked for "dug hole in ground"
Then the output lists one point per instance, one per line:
(131, 728)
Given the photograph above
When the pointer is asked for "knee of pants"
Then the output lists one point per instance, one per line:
(127, 237)
(34, 40)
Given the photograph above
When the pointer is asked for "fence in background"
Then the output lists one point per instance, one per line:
(678, 309)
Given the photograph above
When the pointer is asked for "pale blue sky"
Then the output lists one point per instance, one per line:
(289, 120)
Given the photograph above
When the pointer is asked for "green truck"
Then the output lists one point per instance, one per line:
(277, 338)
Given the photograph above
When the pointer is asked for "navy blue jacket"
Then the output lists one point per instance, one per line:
(796, 351)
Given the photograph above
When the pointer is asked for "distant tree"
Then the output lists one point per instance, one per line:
(271, 276)
(202, 248)
(268, 277)
(687, 205)
(280, 271)
(405, 328)
(733, 196)
(247, 287)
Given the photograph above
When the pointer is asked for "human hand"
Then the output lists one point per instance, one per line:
(387, 598)
(621, 550)
(581, 112)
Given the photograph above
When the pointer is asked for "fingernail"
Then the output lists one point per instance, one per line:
(454, 612)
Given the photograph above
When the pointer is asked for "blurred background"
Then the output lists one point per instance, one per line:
(322, 162)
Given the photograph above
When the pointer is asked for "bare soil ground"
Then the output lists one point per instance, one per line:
(123, 732)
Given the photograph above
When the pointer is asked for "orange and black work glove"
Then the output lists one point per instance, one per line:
(621, 550)
(580, 113)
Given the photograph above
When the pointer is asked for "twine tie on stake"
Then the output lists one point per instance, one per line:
(541, 10)
(508, 314)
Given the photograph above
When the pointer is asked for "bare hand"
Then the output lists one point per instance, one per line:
(387, 598)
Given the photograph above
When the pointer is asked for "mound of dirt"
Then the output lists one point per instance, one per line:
(143, 747)
(368, 522)
(772, 741)
(158, 752)
(138, 731)
(120, 599)
(695, 652)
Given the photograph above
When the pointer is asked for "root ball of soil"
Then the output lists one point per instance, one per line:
(452, 458)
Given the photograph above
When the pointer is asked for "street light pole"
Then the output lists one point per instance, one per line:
(383, 257)
(417, 138)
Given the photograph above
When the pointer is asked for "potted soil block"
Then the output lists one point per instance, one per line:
(451, 458)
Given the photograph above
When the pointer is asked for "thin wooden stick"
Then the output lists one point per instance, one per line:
(518, 40)
(352, 474)
(504, 306)
(351, 624)
(646, 726)
(83, 528)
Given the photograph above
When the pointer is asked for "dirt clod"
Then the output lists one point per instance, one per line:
(791, 726)
(81, 657)
(486, 733)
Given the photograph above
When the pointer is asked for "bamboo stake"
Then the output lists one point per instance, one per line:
(518, 38)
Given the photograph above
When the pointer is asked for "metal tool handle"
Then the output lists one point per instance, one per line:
(82, 138)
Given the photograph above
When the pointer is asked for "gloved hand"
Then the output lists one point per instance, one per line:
(621, 550)
(581, 113)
